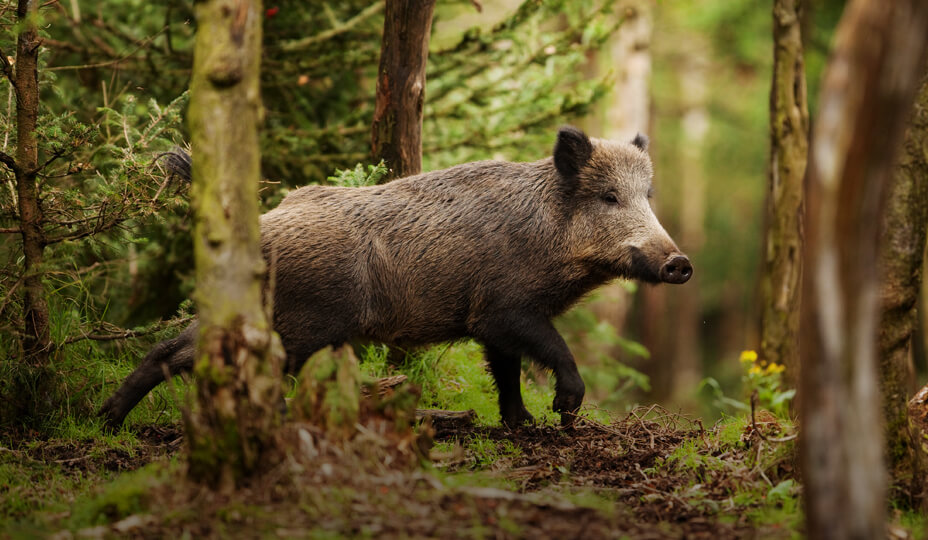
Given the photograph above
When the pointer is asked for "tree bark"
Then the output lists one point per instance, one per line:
(620, 117)
(396, 131)
(36, 341)
(868, 88)
(901, 260)
(238, 357)
(789, 132)
(687, 368)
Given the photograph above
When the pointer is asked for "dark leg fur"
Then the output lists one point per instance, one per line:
(514, 334)
(506, 369)
(177, 354)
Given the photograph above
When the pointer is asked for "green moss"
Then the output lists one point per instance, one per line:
(128, 494)
(329, 391)
(488, 452)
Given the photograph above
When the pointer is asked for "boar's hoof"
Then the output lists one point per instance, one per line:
(518, 418)
(677, 269)
(567, 404)
(112, 418)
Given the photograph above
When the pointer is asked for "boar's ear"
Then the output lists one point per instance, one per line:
(572, 150)
(641, 141)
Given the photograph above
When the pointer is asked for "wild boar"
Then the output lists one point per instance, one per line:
(490, 250)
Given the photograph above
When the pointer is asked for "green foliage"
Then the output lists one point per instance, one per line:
(85, 373)
(28, 485)
(751, 471)
(359, 176)
(487, 452)
(96, 181)
(759, 377)
(451, 377)
(491, 89)
(128, 494)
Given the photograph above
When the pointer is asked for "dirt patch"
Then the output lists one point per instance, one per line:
(632, 462)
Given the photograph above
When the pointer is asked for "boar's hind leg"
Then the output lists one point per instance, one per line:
(506, 369)
(516, 334)
(176, 353)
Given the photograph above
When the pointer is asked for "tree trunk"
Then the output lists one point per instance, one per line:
(239, 357)
(396, 132)
(868, 88)
(789, 132)
(35, 396)
(901, 261)
(620, 117)
(687, 369)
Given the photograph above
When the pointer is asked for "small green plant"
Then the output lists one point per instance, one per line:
(359, 177)
(764, 378)
(488, 452)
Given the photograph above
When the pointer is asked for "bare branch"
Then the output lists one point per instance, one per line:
(109, 337)
(64, 45)
(309, 41)
(11, 293)
(111, 332)
(55, 155)
(97, 229)
(10, 230)
(143, 44)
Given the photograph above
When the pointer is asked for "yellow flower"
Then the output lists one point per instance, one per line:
(755, 370)
(748, 357)
(775, 368)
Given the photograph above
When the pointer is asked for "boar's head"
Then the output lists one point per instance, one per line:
(606, 187)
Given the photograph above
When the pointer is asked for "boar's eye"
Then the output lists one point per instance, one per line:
(611, 198)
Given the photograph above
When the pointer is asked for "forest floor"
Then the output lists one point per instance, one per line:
(652, 474)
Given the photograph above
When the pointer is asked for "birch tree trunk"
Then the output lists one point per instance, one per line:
(789, 143)
(396, 131)
(868, 88)
(901, 261)
(238, 357)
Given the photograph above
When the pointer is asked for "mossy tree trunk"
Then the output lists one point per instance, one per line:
(789, 145)
(901, 259)
(238, 357)
(396, 131)
(868, 89)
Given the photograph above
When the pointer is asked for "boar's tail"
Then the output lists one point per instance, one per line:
(177, 162)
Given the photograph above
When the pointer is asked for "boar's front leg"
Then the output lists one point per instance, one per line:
(515, 334)
(506, 369)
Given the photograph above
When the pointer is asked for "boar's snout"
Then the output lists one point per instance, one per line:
(677, 269)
